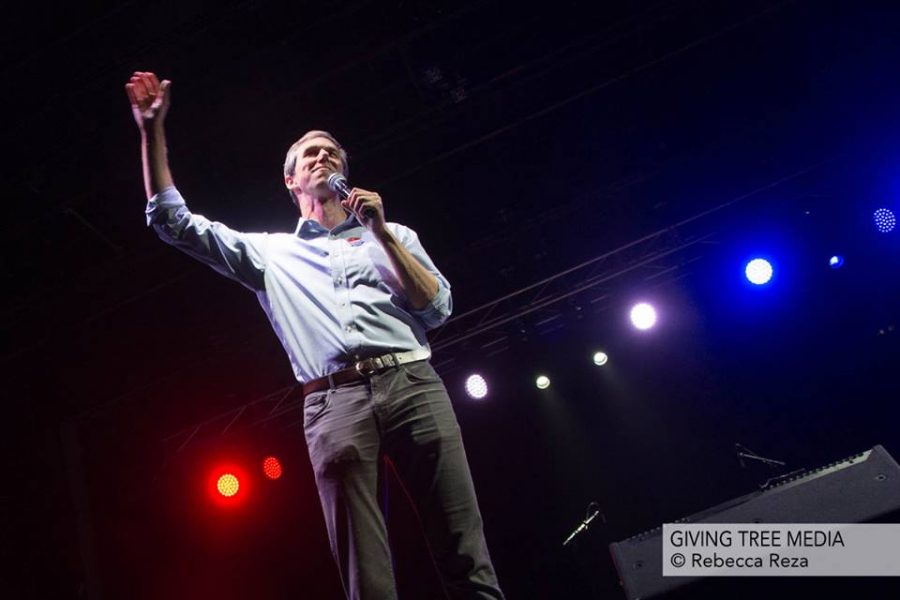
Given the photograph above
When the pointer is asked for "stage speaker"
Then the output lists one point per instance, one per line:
(858, 489)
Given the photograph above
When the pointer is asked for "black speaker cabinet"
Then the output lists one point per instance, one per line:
(858, 489)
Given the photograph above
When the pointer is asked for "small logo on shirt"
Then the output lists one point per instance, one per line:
(355, 241)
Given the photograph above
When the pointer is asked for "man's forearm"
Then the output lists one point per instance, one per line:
(420, 286)
(157, 175)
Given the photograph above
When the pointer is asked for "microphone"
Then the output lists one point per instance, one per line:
(339, 185)
(593, 510)
(739, 450)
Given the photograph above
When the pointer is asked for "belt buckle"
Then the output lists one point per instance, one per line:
(370, 366)
(365, 367)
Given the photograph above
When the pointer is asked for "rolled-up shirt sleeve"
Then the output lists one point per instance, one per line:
(238, 256)
(439, 308)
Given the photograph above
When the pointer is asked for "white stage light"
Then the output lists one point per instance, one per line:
(476, 386)
(643, 316)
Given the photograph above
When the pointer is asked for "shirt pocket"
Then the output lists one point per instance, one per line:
(369, 265)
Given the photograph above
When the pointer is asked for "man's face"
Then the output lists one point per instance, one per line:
(317, 158)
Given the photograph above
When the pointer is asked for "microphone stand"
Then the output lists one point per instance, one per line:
(744, 452)
(593, 510)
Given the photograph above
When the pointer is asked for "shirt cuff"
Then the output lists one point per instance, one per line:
(163, 203)
(438, 309)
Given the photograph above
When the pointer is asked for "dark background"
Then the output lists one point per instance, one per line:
(673, 139)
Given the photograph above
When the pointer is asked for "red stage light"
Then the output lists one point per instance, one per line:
(228, 485)
(271, 467)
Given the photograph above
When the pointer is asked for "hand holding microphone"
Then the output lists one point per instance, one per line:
(366, 205)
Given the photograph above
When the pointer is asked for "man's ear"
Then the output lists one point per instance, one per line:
(288, 182)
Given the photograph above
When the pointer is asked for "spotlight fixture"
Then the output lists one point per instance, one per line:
(476, 386)
(228, 485)
(542, 382)
(271, 467)
(759, 271)
(643, 316)
(884, 220)
(600, 358)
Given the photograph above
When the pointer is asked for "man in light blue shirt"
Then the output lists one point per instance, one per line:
(350, 296)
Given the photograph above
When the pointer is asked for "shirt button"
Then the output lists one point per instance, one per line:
(349, 328)
(340, 280)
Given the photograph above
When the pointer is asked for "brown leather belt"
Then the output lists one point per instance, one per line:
(364, 369)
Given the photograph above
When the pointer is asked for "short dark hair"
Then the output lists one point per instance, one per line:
(290, 161)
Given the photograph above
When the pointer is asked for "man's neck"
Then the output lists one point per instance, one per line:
(327, 212)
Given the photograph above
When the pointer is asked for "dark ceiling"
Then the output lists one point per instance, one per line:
(664, 139)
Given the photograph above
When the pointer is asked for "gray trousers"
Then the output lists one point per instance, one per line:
(404, 413)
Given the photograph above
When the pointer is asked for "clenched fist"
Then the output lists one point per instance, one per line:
(149, 98)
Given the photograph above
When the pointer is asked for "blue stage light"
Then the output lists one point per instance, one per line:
(884, 220)
(836, 261)
(758, 271)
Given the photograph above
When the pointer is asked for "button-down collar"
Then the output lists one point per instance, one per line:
(309, 228)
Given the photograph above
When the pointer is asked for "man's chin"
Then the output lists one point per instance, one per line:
(323, 193)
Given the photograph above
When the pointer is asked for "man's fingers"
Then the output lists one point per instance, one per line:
(359, 200)
(140, 90)
(147, 78)
(137, 78)
(148, 82)
(146, 85)
(129, 90)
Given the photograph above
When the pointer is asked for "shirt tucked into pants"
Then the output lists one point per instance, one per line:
(332, 298)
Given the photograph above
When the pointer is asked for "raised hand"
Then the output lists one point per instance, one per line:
(149, 98)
